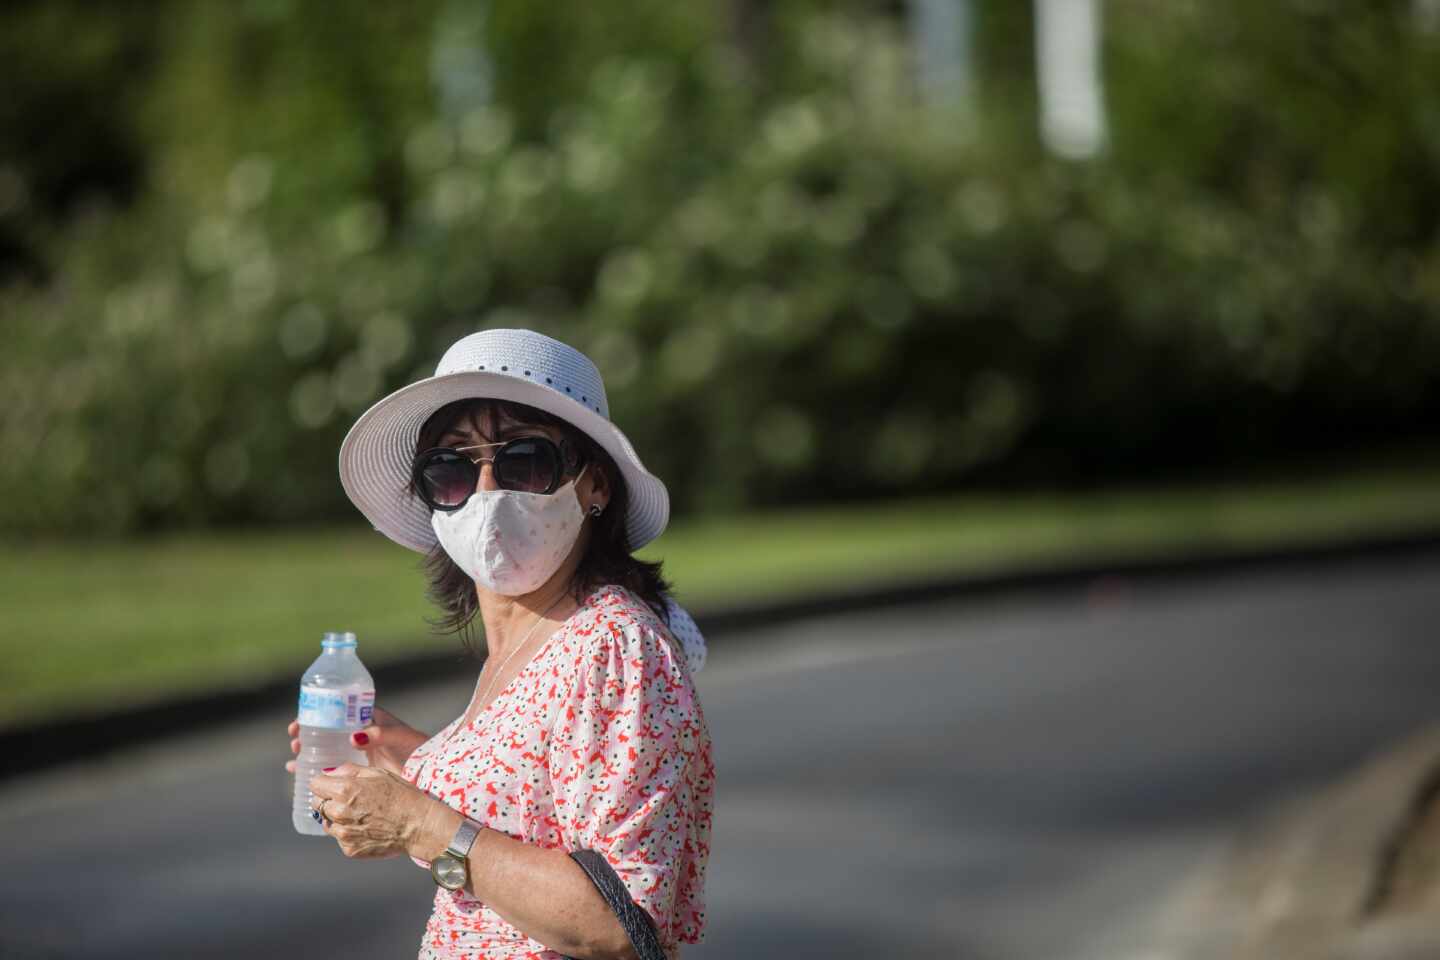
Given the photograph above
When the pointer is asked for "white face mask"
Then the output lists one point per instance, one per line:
(511, 542)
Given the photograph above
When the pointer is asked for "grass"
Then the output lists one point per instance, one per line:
(86, 627)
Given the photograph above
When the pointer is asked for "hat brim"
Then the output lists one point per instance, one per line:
(377, 453)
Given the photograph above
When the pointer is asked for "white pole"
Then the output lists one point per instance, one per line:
(1426, 14)
(459, 59)
(940, 32)
(1067, 55)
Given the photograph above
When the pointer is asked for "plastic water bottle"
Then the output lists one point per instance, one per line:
(337, 696)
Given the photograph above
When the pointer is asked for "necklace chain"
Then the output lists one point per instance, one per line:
(511, 655)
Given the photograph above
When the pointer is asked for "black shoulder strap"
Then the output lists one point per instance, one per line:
(633, 918)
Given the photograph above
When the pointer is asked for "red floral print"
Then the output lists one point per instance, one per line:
(599, 743)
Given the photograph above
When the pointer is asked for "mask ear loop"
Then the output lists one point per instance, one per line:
(595, 508)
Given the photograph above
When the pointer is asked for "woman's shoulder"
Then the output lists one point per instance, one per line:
(614, 618)
(627, 661)
(615, 605)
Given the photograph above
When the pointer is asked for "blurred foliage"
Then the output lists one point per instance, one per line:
(799, 282)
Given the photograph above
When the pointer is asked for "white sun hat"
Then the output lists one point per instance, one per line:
(503, 364)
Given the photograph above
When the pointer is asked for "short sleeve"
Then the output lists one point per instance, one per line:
(624, 760)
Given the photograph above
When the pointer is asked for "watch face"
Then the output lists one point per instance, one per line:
(448, 871)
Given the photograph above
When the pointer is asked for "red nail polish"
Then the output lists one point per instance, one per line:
(362, 738)
(328, 769)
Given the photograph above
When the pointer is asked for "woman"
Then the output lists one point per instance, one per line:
(584, 731)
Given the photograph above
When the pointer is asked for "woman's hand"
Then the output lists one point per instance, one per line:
(388, 742)
(374, 813)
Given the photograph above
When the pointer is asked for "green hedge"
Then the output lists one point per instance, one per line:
(804, 289)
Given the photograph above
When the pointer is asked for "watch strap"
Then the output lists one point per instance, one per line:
(464, 838)
(637, 923)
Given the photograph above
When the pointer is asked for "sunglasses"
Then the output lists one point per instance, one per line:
(445, 477)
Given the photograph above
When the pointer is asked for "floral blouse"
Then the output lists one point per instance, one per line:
(598, 743)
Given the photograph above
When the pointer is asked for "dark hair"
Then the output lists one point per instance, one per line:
(607, 557)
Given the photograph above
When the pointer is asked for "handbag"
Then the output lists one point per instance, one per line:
(637, 923)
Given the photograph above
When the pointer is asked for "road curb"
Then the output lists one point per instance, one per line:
(34, 747)
(1312, 878)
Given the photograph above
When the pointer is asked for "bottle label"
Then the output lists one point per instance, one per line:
(336, 709)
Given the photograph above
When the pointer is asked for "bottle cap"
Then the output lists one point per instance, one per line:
(338, 639)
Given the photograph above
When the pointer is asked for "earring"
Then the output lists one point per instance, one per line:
(596, 509)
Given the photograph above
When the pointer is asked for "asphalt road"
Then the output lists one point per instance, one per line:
(1019, 778)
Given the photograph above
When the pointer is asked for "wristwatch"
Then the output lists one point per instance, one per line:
(448, 868)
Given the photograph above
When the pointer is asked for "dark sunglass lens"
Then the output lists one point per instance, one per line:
(447, 480)
(529, 465)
